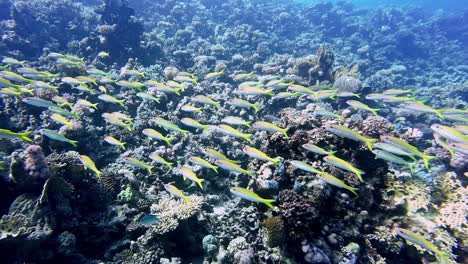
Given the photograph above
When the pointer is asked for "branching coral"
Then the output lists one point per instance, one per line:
(413, 193)
(171, 211)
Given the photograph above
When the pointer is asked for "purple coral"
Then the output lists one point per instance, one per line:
(35, 163)
(459, 161)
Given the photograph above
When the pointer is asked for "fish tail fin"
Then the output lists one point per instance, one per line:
(426, 159)
(169, 164)
(121, 102)
(374, 110)
(149, 169)
(195, 81)
(411, 156)
(199, 110)
(256, 107)
(357, 95)
(359, 175)
(98, 174)
(369, 143)
(331, 153)
(75, 115)
(250, 73)
(187, 199)
(128, 127)
(218, 105)
(123, 145)
(200, 183)
(269, 202)
(168, 141)
(74, 143)
(95, 106)
(439, 113)
(215, 168)
(185, 132)
(276, 161)
(284, 130)
(24, 136)
(176, 91)
(205, 127)
(234, 161)
(247, 137)
(411, 167)
(353, 190)
(250, 173)
(269, 92)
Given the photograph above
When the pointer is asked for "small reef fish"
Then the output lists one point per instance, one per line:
(175, 85)
(318, 150)
(407, 147)
(72, 81)
(7, 84)
(86, 79)
(41, 84)
(324, 94)
(115, 121)
(449, 133)
(12, 61)
(330, 179)
(158, 159)
(216, 155)
(111, 99)
(301, 89)
(423, 108)
(382, 154)
(285, 95)
(230, 131)
(377, 96)
(358, 105)
(132, 73)
(191, 109)
(206, 100)
(168, 125)
(401, 99)
(14, 77)
(102, 89)
(64, 112)
(459, 147)
(176, 192)
(187, 173)
(147, 96)
(10, 92)
(61, 120)
(242, 76)
(105, 80)
(251, 90)
(115, 142)
(342, 164)
(181, 78)
(103, 54)
(251, 196)
(153, 134)
(397, 91)
(462, 129)
(243, 103)
(257, 154)
(443, 143)
(39, 102)
(203, 163)
(137, 163)
(56, 136)
(97, 72)
(422, 242)
(232, 167)
(5, 133)
(84, 88)
(278, 84)
(265, 126)
(393, 149)
(165, 89)
(343, 131)
(233, 120)
(193, 123)
(26, 90)
(89, 164)
(456, 117)
(186, 74)
(122, 116)
(327, 114)
(347, 94)
(213, 75)
(127, 84)
(86, 103)
(303, 166)
(149, 219)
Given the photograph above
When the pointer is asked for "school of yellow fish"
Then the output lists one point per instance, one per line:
(22, 82)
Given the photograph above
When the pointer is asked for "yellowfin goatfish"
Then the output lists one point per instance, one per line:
(175, 85)
(213, 75)
(115, 142)
(61, 120)
(251, 90)
(422, 242)
(89, 164)
(86, 103)
(382, 154)
(64, 112)
(397, 91)
(191, 108)
(232, 167)
(251, 196)
(202, 99)
(377, 96)
(443, 143)
(153, 134)
(168, 125)
(165, 89)
(330, 179)
(147, 96)
(243, 103)
(193, 123)
(97, 72)
(5, 133)
(155, 157)
(128, 84)
(317, 150)
(84, 88)
(115, 121)
(449, 133)
(462, 129)
(407, 147)
(181, 78)
(44, 85)
(242, 76)
(265, 126)
(358, 105)
(203, 163)
(12, 61)
(186, 74)
(257, 154)
(347, 94)
(285, 95)
(105, 80)
(7, 84)
(187, 173)
(14, 77)
(10, 91)
(393, 149)
(132, 73)
(230, 131)
(459, 147)
(423, 108)
(324, 94)
(111, 99)
(327, 114)
(122, 116)
(103, 54)
(351, 134)
(342, 164)
(56, 136)
(300, 89)
(39, 102)
(216, 155)
(139, 164)
(176, 192)
(72, 81)
(232, 120)
(86, 79)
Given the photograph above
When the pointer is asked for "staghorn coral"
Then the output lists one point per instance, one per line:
(413, 193)
(171, 211)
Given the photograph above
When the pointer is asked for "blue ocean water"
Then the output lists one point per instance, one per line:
(449, 5)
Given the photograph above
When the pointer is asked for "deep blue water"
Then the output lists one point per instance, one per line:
(450, 5)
